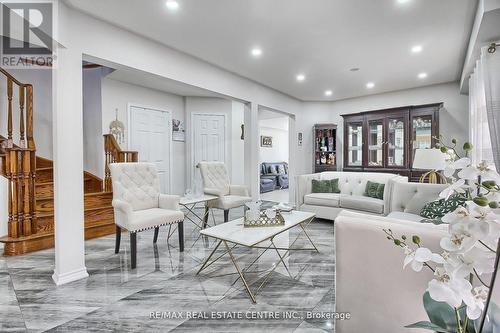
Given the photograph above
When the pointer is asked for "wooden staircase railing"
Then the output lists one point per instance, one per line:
(18, 159)
(114, 154)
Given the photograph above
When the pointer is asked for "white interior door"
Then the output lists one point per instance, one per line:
(209, 138)
(150, 135)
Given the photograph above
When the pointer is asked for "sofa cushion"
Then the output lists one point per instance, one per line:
(374, 190)
(321, 186)
(153, 217)
(322, 199)
(280, 168)
(437, 209)
(360, 202)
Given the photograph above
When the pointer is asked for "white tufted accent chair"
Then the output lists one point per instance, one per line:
(139, 205)
(216, 182)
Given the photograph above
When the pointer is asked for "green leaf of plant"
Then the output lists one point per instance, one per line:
(440, 313)
(429, 326)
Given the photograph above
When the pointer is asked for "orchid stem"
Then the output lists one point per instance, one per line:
(486, 246)
(480, 280)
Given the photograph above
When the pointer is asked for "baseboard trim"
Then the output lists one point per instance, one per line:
(78, 274)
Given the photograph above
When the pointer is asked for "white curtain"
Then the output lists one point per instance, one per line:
(484, 104)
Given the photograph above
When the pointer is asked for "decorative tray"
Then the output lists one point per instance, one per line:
(266, 218)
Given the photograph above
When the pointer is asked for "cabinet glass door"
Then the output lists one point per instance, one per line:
(375, 143)
(396, 142)
(421, 136)
(355, 144)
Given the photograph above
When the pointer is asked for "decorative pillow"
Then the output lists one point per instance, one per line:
(281, 169)
(437, 209)
(374, 190)
(335, 185)
(325, 186)
(271, 169)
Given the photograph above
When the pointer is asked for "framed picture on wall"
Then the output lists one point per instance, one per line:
(266, 141)
(178, 131)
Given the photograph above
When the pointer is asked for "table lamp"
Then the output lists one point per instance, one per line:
(430, 159)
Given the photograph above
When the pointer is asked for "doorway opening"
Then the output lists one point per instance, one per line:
(274, 155)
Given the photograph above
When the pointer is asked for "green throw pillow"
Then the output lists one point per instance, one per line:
(335, 185)
(437, 209)
(374, 190)
(325, 186)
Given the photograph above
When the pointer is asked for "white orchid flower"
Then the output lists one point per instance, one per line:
(482, 169)
(456, 187)
(448, 288)
(459, 215)
(461, 239)
(475, 301)
(477, 260)
(455, 165)
(417, 258)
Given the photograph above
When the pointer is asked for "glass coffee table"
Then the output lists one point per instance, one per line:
(190, 204)
(235, 234)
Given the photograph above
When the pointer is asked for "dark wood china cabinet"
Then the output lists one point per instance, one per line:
(385, 140)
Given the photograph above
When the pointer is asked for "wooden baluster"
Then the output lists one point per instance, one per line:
(14, 226)
(21, 117)
(29, 116)
(25, 174)
(32, 181)
(9, 113)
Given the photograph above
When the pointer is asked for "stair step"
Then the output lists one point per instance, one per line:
(44, 175)
(44, 189)
(45, 204)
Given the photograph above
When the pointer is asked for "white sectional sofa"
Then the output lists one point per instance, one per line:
(352, 187)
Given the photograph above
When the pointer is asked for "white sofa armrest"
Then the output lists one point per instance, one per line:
(389, 191)
(240, 190)
(170, 202)
(370, 281)
(303, 186)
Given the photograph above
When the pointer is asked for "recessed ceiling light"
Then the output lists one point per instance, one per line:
(416, 49)
(354, 69)
(256, 52)
(328, 93)
(301, 77)
(422, 75)
(370, 85)
(172, 4)
(403, 1)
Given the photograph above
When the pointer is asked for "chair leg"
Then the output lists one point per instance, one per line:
(133, 249)
(118, 238)
(155, 238)
(205, 217)
(226, 215)
(180, 228)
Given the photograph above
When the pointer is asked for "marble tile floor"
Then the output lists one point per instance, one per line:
(117, 299)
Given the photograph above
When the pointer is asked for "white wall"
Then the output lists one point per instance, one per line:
(237, 145)
(93, 143)
(453, 118)
(277, 128)
(117, 95)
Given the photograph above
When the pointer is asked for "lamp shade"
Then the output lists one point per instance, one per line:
(429, 159)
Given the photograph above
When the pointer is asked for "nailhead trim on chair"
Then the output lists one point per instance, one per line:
(159, 225)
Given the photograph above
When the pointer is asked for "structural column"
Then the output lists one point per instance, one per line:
(252, 138)
(67, 120)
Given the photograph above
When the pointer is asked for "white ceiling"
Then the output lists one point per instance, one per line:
(321, 38)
